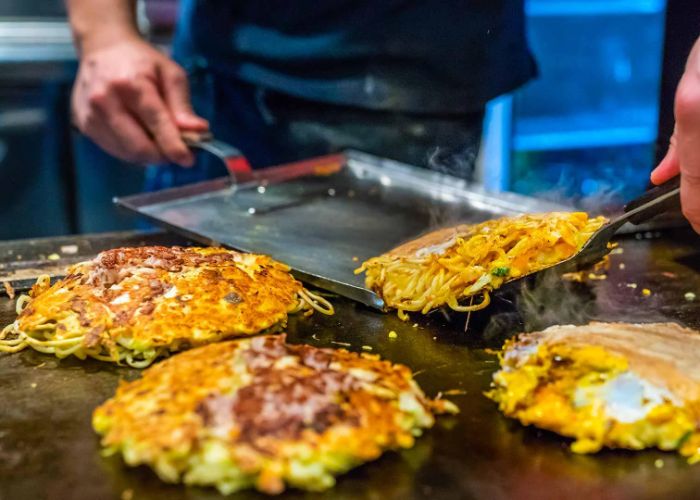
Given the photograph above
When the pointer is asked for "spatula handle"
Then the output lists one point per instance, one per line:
(663, 198)
(231, 156)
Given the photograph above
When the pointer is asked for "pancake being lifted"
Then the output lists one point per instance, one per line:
(135, 304)
(261, 413)
(452, 266)
(612, 385)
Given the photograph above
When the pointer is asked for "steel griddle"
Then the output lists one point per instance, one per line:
(49, 451)
(325, 216)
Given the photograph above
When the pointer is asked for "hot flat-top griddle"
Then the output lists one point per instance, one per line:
(49, 451)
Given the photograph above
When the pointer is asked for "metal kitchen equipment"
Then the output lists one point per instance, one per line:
(326, 215)
(654, 202)
(230, 156)
(49, 449)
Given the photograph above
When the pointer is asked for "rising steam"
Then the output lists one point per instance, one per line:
(549, 300)
(458, 163)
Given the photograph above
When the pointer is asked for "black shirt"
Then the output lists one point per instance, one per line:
(439, 56)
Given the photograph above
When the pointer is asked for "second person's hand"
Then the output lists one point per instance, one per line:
(133, 101)
(683, 156)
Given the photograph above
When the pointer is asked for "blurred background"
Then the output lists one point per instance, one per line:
(587, 125)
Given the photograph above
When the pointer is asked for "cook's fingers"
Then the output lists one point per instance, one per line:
(669, 167)
(690, 199)
(687, 111)
(143, 154)
(688, 129)
(144, 101)
(109, 125)
(176, 91)
(133, 138)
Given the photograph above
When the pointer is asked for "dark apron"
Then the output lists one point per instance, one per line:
(402, 79)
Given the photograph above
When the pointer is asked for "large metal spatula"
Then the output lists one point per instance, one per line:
(656, 201)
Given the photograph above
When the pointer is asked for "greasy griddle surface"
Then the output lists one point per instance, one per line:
(48, 450)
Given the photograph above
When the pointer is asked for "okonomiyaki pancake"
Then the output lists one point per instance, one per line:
(452, 266)
(136, 304)
(261, 413)
(613, 385)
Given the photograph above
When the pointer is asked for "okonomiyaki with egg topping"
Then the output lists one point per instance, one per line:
(133, 305)
(612, 385)
(452, 266)
(262, 413)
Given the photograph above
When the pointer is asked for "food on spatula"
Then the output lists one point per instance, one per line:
(452, 266)
(133, 305)
(262, 413)
(614, 385)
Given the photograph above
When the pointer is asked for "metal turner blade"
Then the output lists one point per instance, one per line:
(656, 201)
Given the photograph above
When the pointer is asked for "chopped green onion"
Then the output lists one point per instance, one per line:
(683, 439)
(500, 271)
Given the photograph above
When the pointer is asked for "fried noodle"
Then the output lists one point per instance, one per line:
(478, 259)
(46, 339)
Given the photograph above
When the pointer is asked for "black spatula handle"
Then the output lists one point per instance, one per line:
(660, 199)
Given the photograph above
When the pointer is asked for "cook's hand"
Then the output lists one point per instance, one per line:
(133, 101)
(684, 152)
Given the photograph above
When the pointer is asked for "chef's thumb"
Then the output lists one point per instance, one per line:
(176, 93)
(667, 168)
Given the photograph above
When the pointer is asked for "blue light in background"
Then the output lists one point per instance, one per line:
(587, 125)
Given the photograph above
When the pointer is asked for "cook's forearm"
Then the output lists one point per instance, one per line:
(96, 23)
